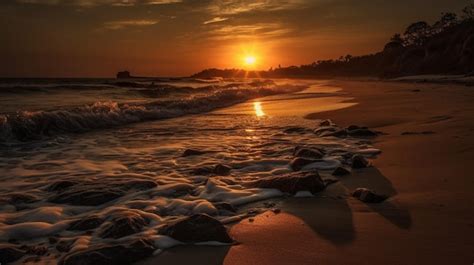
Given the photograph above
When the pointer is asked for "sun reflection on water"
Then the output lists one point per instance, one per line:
(257, 105)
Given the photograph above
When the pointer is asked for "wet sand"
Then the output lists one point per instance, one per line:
(425, 167)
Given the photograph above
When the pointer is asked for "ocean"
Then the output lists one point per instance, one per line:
(79, 155)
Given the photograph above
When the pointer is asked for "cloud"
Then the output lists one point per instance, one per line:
(260, 30)
(120, 24)
(233, 7)
(215, 20)
(89, 3)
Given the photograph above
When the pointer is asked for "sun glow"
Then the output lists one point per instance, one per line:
(258, 109)
(250, 60)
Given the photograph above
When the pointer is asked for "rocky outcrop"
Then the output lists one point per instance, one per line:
(111, 254)
(197, 228)
(292, 183)
(368, 196)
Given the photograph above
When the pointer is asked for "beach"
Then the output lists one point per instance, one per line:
(425, 166)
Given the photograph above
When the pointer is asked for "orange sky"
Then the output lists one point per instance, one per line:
(97, 38)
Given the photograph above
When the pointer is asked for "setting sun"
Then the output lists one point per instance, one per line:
(250, 60)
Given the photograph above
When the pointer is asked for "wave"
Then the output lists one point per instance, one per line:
(28, 125)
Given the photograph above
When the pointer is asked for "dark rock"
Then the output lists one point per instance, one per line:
(295, 130)
(361, 132)
(192, 152)
(61, 185)
(138, 184)
(124, 224)
(197, 228)
(292, 183)
(53, 240)
(65, 245)
(18, 198)
(325, 123)
(359, 161)
(340, 171)
(308, 153)
(203, 171)
(88, 223)
(87, 195)
(353, 127)
(338, 133)
(224, 206)
(222, 170)
(276, 211)
(298, 163)
(121, 254)
(37, 250)
(368, 196)
(10, 253)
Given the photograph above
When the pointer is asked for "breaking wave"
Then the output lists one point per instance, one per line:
(32, 125)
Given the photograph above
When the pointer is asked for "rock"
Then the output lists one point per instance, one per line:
(222, 170)
(192, 152)
(359, 161)
(88, 196)
(276, 211)
(138, 184)
(10, 253)
(298, 163)
(308, 153)
(203, 171)
(65, 245)
(337, 133)
(197, 228)
(326, 123)
(362, 132)
(224, 206)
(61, 185)
(295, 130)
(37, 250)
(292, 183)
(353, 127)
(88, 223)
(368, 196)
(111, 254)
(340, 171)
(18, 198)
(124, 224)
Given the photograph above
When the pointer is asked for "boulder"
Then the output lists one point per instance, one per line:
(360, 132)
(359, 161)
(292, 183)
(308, 152)
(197, 228)
(368, 196)
(88, 223)
(192, 152)
(111, 254)
(10, 253)
(87, 195)
(222, 170)
(124, 224)
(298, 163)
(295, 130)
(340, 171)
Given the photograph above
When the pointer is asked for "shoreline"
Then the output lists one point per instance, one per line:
(428, 174)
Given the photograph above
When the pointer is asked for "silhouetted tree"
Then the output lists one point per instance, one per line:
(417, 33)
(468, 12)
(397, 38)
(447, 20)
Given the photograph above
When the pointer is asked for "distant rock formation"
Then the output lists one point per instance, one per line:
(123, 75)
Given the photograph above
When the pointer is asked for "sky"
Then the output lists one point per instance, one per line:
(97, 38)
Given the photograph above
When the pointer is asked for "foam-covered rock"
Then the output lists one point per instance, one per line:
(192, 152)
(299, 162)
(111, 254)
(292, 183)
(123, 224)
(88, 223)
(197, 228)
(87, 196)
(368, 196)
(306, 152)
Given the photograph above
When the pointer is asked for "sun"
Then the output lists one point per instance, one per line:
(250, 60)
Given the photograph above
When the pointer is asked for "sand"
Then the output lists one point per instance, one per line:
(428, 220)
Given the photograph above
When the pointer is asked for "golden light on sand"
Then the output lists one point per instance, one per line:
(258, 109)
